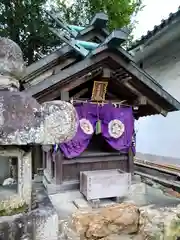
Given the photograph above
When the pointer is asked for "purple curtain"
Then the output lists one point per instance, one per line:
(107, 114)
(81, 140)
(125, 115)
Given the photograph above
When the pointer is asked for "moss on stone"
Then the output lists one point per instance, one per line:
(13, 211)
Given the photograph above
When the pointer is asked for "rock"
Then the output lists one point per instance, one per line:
(9, 182)
(125, 222)
(117, 237)
(11, 58)
(117, 219)
(157, 224)
(172, 226)
(24, 121)
(149, 225)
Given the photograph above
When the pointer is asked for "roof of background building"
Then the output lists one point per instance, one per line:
(157, 28)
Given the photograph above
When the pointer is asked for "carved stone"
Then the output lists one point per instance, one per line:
(60, 122)
(11, 58)
(22, 119)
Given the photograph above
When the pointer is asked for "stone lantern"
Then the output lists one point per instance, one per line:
(23, 121)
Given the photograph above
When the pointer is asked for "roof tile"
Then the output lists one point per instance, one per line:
(156, 29)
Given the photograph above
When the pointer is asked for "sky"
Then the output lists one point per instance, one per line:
(152, 14)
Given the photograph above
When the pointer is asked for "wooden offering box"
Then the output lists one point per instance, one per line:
(104, 184)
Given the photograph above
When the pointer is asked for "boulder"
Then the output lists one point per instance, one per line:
(126, 222)
(117, 219)
(157, 224)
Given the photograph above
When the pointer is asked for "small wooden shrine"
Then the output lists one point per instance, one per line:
(108, 90)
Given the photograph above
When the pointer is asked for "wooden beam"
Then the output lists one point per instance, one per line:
(73, 72)
(45, 62)
(75, 83)
(141, 100)
(80, 93)
(55, 92)
(125, 79)
(63, 65)
(86, 35)
(41, 76)
(147, 80)
(111, 95)
(90, 33)
(38, 78)
(150, 102)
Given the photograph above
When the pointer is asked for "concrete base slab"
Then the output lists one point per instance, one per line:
(63, 202)
(81, 203)
(68, 196)
(58, 188)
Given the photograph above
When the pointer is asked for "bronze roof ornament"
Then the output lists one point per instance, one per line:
(22, 119)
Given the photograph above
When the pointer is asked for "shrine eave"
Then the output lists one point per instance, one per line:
(139, 82)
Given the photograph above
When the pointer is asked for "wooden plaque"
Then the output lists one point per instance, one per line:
(99, 91)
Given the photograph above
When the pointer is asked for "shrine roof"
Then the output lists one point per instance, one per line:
(108, 53)
(163, 27)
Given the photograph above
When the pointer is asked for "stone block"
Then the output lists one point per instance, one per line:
(137, 194)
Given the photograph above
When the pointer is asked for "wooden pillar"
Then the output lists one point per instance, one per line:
(44, 159)
(58, 167)
(131, 161)
(36, 158)
(65, 96)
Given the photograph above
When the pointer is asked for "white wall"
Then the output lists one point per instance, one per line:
(157, 134)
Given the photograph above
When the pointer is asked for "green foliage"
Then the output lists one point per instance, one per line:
(120, 12)
(23, 22)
